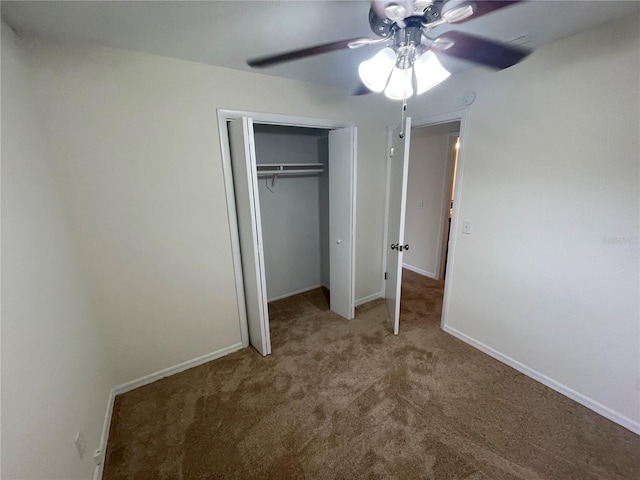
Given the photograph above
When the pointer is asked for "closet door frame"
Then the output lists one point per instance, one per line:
(224, 116)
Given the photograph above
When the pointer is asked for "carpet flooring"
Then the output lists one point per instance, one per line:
(349, 400)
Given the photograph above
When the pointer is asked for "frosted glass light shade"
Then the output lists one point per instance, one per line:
(429, 72)
(374, 72)
(399, 85)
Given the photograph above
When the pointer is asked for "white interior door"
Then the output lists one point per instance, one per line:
(245, 184)
(341, 154)
(398, 169)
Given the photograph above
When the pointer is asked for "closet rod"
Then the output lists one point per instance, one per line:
(290, 172)
(282, 166)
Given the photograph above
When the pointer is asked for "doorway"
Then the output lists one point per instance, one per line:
(430, 190)
(406, 242)
(306, 238)
(454, 147)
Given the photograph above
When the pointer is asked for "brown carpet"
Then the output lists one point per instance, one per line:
(348, 400)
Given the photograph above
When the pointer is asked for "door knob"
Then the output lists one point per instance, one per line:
(338, 241)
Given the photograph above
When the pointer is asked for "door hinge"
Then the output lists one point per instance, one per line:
(391, 152)
(385, 275)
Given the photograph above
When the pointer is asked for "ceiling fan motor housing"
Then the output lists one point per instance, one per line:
(384, 27)
(411, 34)
(406, 42)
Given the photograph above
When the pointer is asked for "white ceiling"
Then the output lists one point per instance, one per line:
(226, 33)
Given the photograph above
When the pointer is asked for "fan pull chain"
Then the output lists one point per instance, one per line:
(404, 109)
(404, 102)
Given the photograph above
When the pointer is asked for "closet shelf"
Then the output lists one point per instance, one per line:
(280, 169)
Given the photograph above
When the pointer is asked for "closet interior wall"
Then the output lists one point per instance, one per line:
(294, 210)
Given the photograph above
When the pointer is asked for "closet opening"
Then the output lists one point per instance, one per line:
(290, 185)
(293, 189)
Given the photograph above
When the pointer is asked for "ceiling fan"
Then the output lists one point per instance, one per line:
(404, 26)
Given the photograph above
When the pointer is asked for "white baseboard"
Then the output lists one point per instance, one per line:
(424, 273)
(97, 473)
(591, 404)
(181, 367)
(368, 298)
(147, 379)
(291, 294)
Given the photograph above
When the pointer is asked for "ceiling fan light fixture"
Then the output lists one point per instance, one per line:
(399, 86)
(456, 10)
(429, 72)
(375, 72)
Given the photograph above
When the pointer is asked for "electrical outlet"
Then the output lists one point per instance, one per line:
(80, 444)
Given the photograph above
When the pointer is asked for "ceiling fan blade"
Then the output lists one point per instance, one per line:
(487, 6)
(271, 60)
(478, 50)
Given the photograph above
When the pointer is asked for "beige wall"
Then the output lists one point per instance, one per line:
(119, 220)
(550, 275)
(135, 139)
(56, 375)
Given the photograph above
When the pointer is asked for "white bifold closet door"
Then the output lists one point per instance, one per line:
(398, 171)
(342, 143)
(245, 184)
